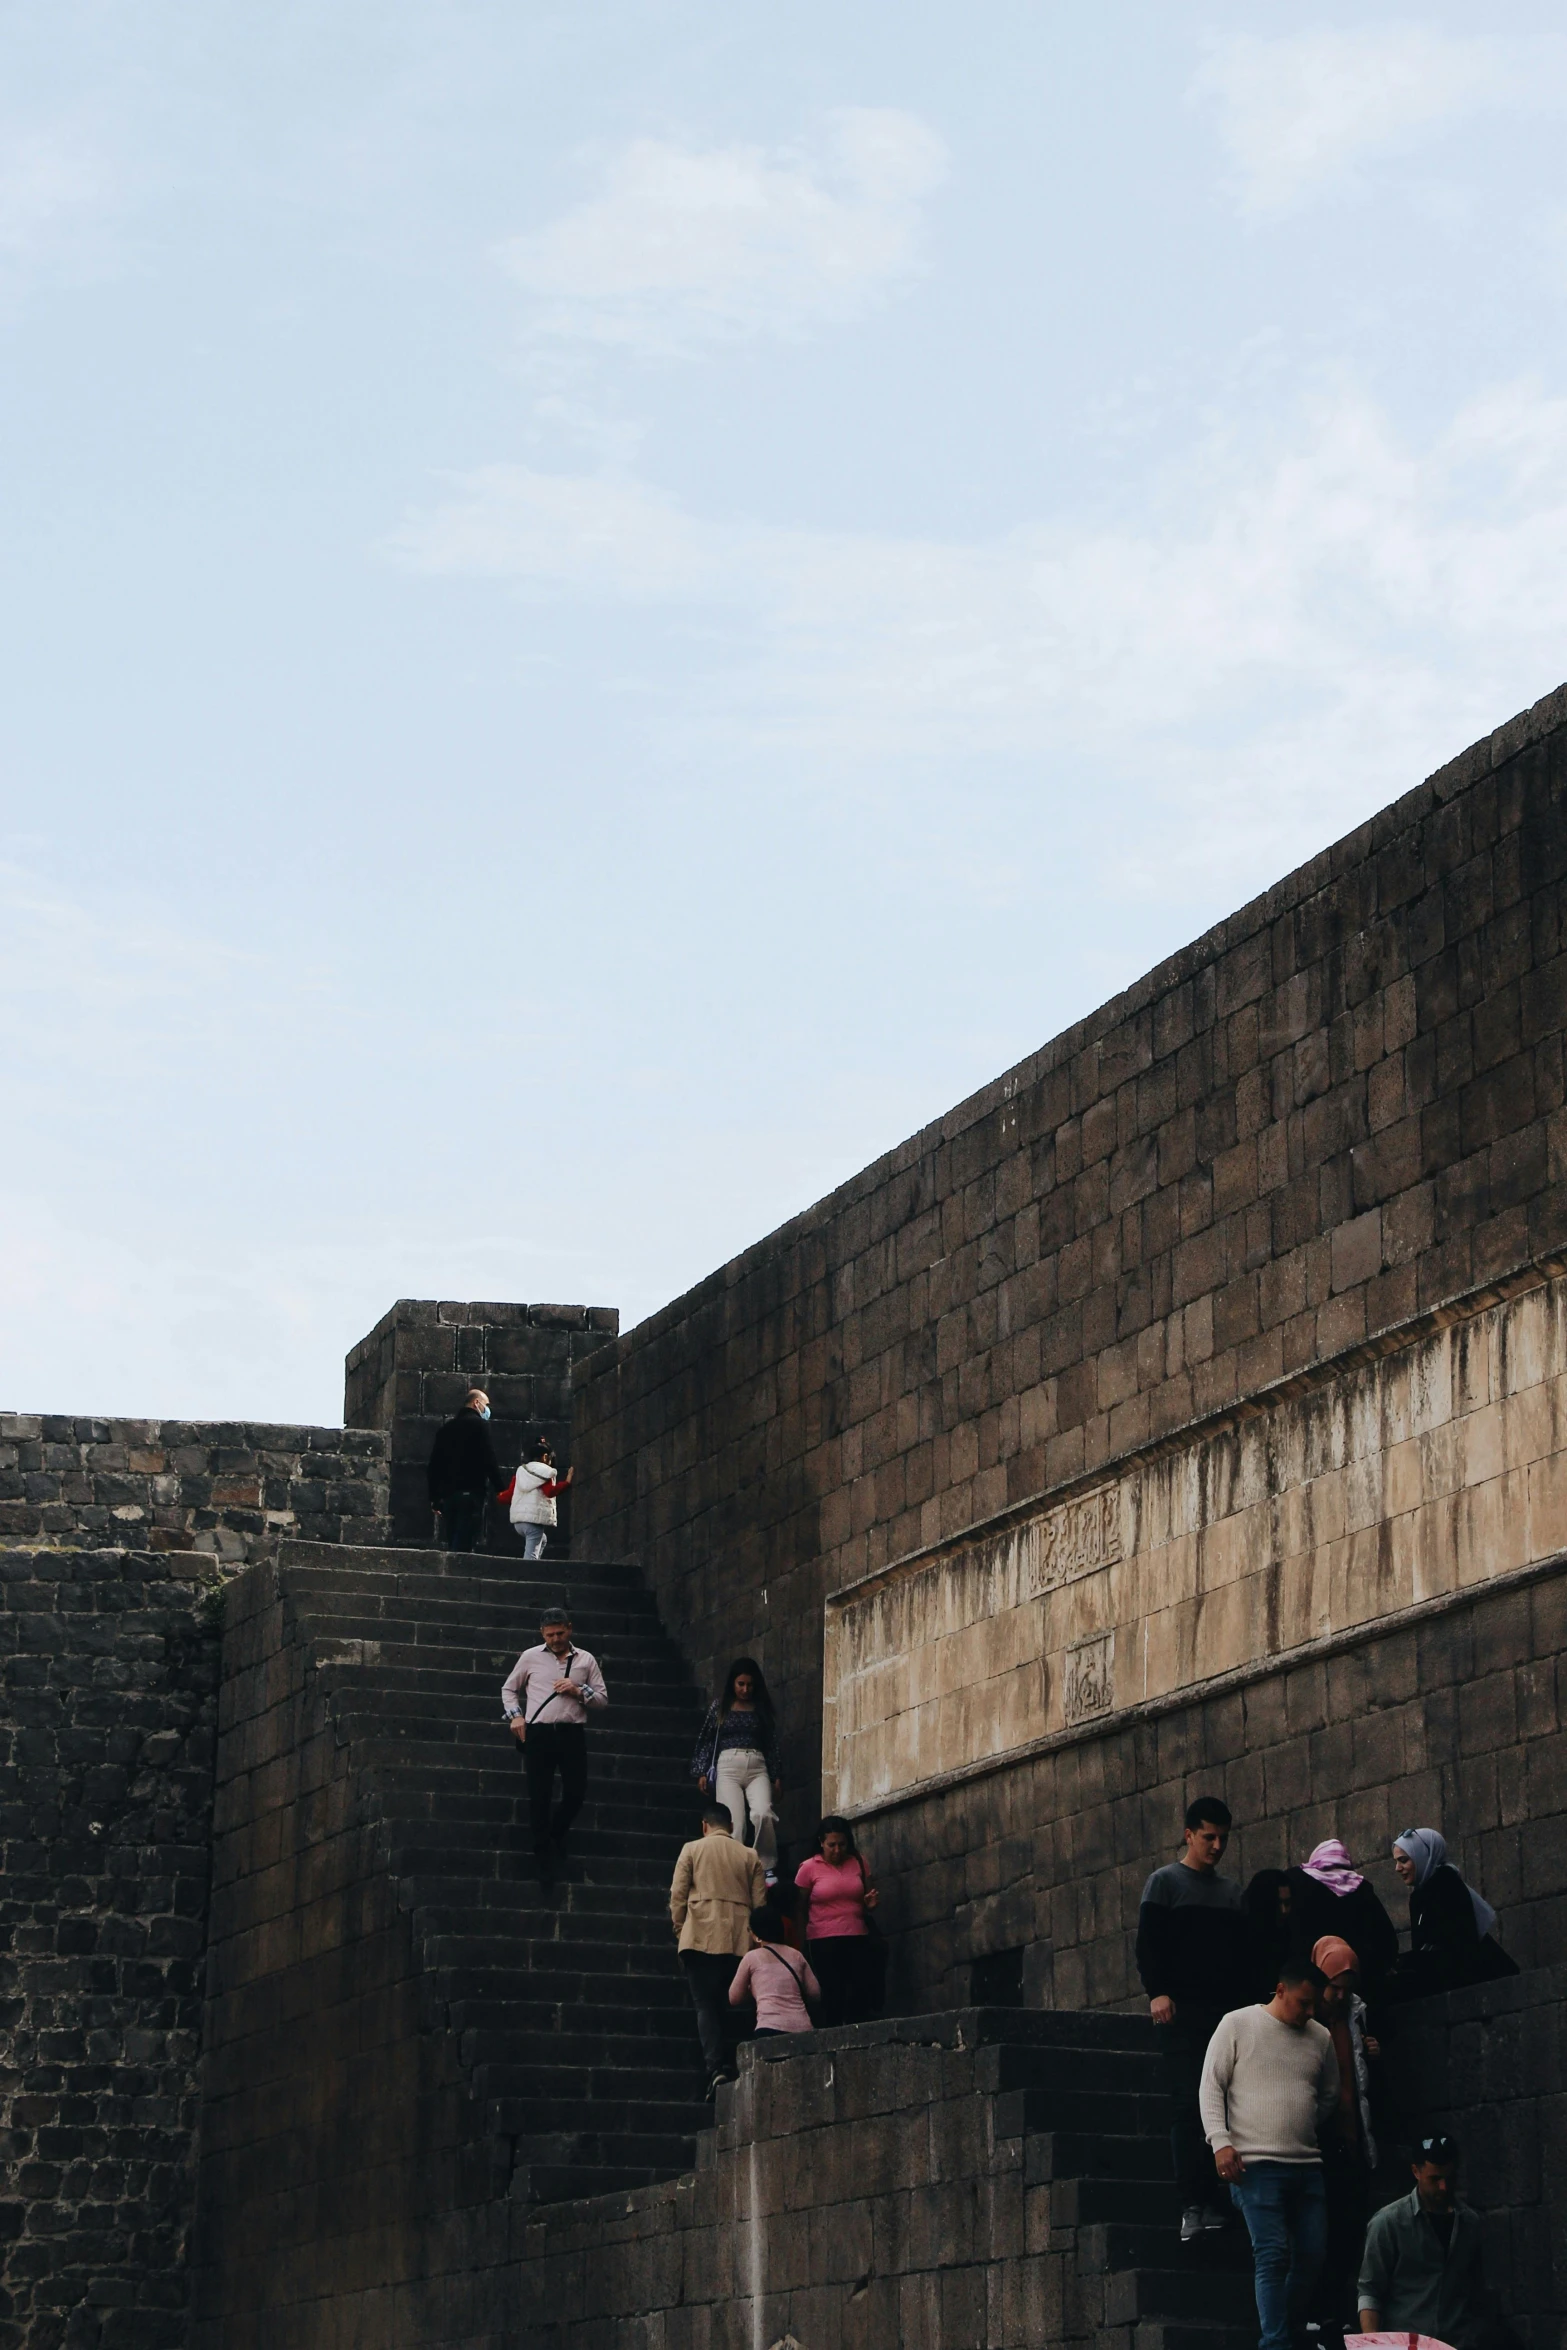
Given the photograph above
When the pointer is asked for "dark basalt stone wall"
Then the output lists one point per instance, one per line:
(224, 1488)
(1339, 1110)
(109, 1662)
(342, 2155)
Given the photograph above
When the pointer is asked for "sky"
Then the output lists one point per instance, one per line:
(607, 609)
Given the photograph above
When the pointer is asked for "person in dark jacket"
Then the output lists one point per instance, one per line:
(464, 1473)
(1450, 1924)
(1195, 1956)
(1328, 1895)
(1267, 1900)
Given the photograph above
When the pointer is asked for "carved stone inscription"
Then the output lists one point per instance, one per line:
(1080, 1536)
(1090, 1678)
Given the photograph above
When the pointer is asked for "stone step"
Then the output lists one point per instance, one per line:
(541, 1987)
(593, 1868)
(1214, 2295)
(444, 1690)
(600, 1961)
(642, 2084)
(1146, 2243)
(630, 2121)
(1191, 2334)
(1120, 2112)
(427, 1558)
(1079, 2202)
(494, 1751)
(606, 2145)
(1109, 2071)
(629, 2038)
(1096, 2154)
(491, 1898)
(573, 2182)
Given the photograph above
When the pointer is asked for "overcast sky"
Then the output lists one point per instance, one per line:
(607, 608)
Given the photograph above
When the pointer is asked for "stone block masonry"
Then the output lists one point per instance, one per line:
(109, 1663)
(1490, 2064)
(1452, 1717)
(223, 1489)
(1342, 1109)
(417, 1364)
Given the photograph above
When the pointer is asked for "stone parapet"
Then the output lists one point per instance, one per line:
(225, 1490)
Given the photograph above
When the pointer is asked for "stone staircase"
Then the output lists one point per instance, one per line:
(1085, 2093)
(567, 2005)
(567, 2009)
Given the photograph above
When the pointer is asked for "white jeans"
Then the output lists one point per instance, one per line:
(741, 1784)
(533, 1539)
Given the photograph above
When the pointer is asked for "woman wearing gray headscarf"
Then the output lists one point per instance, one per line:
(1449, 1922)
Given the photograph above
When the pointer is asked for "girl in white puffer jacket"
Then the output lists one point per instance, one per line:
(532, 1496)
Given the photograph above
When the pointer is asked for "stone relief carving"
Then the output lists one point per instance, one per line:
(1078, 1537)
(1090, 1678)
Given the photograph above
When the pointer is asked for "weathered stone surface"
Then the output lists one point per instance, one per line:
(1341, 1109)
(1454, 1720)
(109, 1663)
(222, 1489)
(1340, 1501)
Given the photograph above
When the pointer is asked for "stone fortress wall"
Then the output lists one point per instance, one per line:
(1185, 1409)
(1137, 1396)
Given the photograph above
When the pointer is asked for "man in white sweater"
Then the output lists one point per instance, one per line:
(1269, 2083)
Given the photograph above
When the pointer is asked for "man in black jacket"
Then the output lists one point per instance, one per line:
(1195, 1958)
(464, 1472)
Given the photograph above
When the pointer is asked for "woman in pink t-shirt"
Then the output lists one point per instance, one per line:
(776, 1977)
(838, 1896)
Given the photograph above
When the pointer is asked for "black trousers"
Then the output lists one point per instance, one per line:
(550, 1747)
(1346, 2182)
(709, 1974)
(1184, 2044)
(852, 1971)
(462, 1519)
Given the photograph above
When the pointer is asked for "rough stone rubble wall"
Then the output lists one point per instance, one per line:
(1339, 1110)
(227, 1489)
(109, 1664)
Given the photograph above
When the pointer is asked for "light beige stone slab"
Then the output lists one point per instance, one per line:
(1432, 1469)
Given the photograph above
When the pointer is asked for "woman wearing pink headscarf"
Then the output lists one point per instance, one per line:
(1328, 1895)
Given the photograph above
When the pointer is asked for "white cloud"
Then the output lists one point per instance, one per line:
(1299, 113)
(1285, 623)
(686, 247)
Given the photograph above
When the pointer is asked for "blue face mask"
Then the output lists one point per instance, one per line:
(484, 1415)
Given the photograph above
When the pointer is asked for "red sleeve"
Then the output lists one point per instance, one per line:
(555, 1485)
(509, 1488)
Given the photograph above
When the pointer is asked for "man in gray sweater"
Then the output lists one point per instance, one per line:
(1269, 2083)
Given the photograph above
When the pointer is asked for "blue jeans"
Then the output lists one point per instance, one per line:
(1286, 2214)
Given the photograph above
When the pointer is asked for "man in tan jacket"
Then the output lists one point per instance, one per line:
(716, 1886)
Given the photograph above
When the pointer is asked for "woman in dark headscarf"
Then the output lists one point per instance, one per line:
(1328, 1895)
(1267, 1900)
(1449, 1922)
